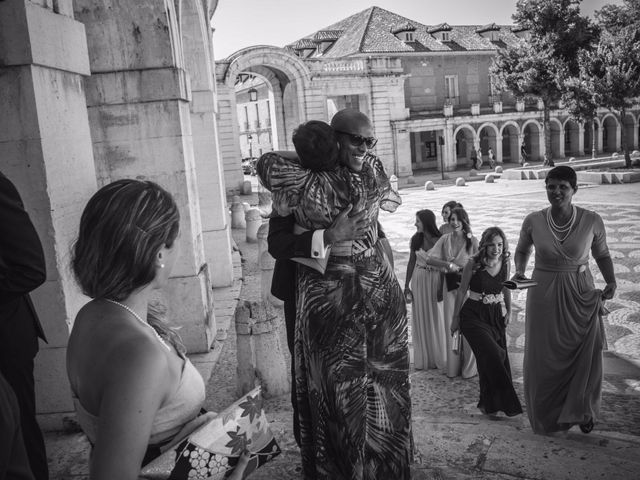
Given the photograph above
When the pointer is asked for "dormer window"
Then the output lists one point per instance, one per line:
(490, 32)
(405, 32)
(523, 33)
(441, 32)
(324, 39)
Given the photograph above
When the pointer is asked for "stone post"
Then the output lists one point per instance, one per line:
(260, 357)
(237, 213)
(253, 219)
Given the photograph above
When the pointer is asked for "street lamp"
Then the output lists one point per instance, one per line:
(253, 95)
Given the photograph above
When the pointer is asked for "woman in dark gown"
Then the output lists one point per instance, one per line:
(351, 347)
(483, 319)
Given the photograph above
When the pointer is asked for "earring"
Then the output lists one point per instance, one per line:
(162, 265)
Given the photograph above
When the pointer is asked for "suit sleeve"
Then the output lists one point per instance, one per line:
(22, 263)
(283, 243)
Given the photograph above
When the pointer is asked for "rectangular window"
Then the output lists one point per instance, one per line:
(451, 89)
(445, 36)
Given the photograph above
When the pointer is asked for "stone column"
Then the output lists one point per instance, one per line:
(581, 138)
(450, 161)
(138, 98)
(45, 150)
(403, 152)
(498, 152)
(229, 132)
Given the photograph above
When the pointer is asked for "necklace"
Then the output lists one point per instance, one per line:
(130, 310)
(561, 229)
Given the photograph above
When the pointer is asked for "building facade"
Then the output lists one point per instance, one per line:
(426, 89)
(93, 91)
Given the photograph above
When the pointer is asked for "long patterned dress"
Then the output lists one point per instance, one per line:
(351, 347)
(428, 332)
(483, 325)
(564, 329)
(457, 364)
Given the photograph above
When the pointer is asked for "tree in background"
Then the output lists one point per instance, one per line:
(539, 67)
(615, 63)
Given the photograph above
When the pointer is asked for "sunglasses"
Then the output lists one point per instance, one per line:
(358, 140)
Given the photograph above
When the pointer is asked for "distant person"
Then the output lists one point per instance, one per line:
(523, 154)
(474, 158)
(492, 158)
(482, 313)
(14, 463)
(429, 336)
(133, 387)
(564, 328)
(451, 252)
(351, 343)
(22, 270)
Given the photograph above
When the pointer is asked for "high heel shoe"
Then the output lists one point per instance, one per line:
(587, 427)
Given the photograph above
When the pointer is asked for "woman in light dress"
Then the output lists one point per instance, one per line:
(564, 328)
(428, 333)
(451, 253)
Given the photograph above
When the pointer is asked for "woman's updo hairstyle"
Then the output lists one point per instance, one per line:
(463, 218)
(122, 229)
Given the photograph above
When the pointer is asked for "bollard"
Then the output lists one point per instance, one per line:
(237, 213)
(246, 187)
(411, 180)
(266, 263)
(473, 172)
(572, 159)
(260, 357)
(614, 155)
(246, 206)
(393, 180)
(429, 185)
(253, 222)
(489, 178)
(460, 182)
(498, 169)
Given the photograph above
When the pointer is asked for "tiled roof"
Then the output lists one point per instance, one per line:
(487, 28)
(327, 35)
(304, 43)
(371, 31)
(405, 27)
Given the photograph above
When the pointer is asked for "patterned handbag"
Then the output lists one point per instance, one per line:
(213, 450)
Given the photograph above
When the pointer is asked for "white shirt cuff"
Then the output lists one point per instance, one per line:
(318, 248)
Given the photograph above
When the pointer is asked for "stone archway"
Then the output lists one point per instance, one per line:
(488, 134)
(532, 134)
(629, 125)
(510, 141)
(287, 77)
(572, 140)
(464, 139)
(610, 134)
(557, 139)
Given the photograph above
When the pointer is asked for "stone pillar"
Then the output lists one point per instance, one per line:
(499, 150)
(138, 98)
(45, 150)
(229, 133)
(450, 161)
(581, 138)
(254, 220)
(266, 263)
(237, 213)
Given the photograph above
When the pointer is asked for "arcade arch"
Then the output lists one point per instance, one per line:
(531, 136)
(464, 137)
(286, 77)
(572, 139)
(557, 140)
(510, 149)
(610, 133)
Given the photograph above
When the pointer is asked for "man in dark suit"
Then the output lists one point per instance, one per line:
(14, 463)
(22, 270)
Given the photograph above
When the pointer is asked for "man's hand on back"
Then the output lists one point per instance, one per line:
(347, 227)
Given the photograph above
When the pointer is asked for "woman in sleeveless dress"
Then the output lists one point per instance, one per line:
(428, 335)
(564, 329)
(483, 319)
(134, 389)
(351, 345)
(451, 253)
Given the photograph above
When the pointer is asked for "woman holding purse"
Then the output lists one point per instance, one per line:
(451, 253)
(482, 312)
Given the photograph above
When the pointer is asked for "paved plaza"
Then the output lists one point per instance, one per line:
(453, 440)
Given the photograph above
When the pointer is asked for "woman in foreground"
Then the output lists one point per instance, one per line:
(134, 389)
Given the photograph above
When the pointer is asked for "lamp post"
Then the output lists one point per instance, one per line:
(441, 144)
(253, 95)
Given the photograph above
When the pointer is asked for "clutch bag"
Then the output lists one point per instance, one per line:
(213, 450)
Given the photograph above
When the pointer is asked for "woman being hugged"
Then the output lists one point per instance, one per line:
(564, 329)
(483, 319)
(425, 294)
(451, 253)
(134, 390)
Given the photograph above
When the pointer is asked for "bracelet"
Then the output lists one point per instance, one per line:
(451, 266)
